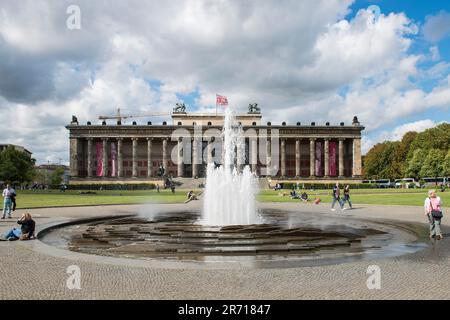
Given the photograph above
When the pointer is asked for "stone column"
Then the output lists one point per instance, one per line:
(105, 157)
(180, 158)
(254, 157)
(119, 157)
(89, 157)
(194, 158)
(74, 157)
(135, 157)
(269, 158)
(209, 150)
(283, 157)
(327, 158)
(312, 157)
(341, 158)
(297, 158)
(240, 157)
(357, 165)
(149, 157)
(164, 155)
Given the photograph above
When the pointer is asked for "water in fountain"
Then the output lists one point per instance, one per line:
(229, 197)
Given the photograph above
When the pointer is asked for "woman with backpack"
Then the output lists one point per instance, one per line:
(433, 210)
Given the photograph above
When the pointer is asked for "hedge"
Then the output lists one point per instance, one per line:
(326, 186)
(140, 186)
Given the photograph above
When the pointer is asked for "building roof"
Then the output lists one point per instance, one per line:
(17, 147)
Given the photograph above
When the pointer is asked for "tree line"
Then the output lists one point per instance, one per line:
(417, 155)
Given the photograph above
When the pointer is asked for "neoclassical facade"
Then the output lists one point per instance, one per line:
(133, 153)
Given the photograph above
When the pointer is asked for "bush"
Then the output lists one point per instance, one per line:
(137, 186)
(327, 186)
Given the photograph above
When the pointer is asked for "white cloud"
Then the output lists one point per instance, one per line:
(437, 27)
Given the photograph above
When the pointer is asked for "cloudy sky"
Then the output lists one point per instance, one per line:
(301, 60)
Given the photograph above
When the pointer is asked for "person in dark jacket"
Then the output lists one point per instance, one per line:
(26, 231)
(336, 197)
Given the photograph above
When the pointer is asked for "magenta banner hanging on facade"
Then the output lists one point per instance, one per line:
(99, 148)
(332, 159)
(113, 159)
(318, 158)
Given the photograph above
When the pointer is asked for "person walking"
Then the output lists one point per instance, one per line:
(346, 197)
(336, 197)
(433, 210)
(7, 202)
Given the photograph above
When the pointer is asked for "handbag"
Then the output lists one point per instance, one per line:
(436, 214)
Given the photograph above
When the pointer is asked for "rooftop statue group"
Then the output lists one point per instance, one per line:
(253, 108)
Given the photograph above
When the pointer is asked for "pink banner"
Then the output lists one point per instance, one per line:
(332, 158)
(113, 159)
(99, 147)
(318, 158)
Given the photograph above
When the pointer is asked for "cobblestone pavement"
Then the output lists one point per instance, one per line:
(32, 270)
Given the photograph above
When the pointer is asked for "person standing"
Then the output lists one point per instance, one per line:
(7, 203)
(346, 197)
(13, 198)
(433, 210)
(336, 197)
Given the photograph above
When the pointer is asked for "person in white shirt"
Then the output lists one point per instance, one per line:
(7, 202)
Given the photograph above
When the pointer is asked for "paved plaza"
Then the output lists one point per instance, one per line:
(34, 270)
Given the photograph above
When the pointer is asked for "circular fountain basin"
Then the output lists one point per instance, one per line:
(283, 239)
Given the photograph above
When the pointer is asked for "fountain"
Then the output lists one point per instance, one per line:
(229, 197)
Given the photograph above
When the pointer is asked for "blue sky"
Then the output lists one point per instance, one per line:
(303, 61)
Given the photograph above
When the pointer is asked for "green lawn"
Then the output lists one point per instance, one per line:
(383, 197)
(34, 199)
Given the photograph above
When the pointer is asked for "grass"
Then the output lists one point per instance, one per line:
(54, 198)
(386, 197)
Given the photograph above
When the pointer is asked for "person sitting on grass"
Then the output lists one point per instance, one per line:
(26, 231)
(317, 200)
(294, 194)
(191, 196)
(304, 197)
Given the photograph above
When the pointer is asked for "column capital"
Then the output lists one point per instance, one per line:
(134, 139)
(105, 139)
(312, 139)
(119, 139)
(326, 139)
(89, 139)
(341, 139)
(149, 139)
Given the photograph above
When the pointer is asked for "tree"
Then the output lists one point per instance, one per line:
(415, 164)
(446, 165)
(56, 177)
(433, 164)
(380, 161)
(434, 138)
(16, 166)
(372, 161)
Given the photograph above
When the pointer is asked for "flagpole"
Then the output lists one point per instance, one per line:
(216, 104)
